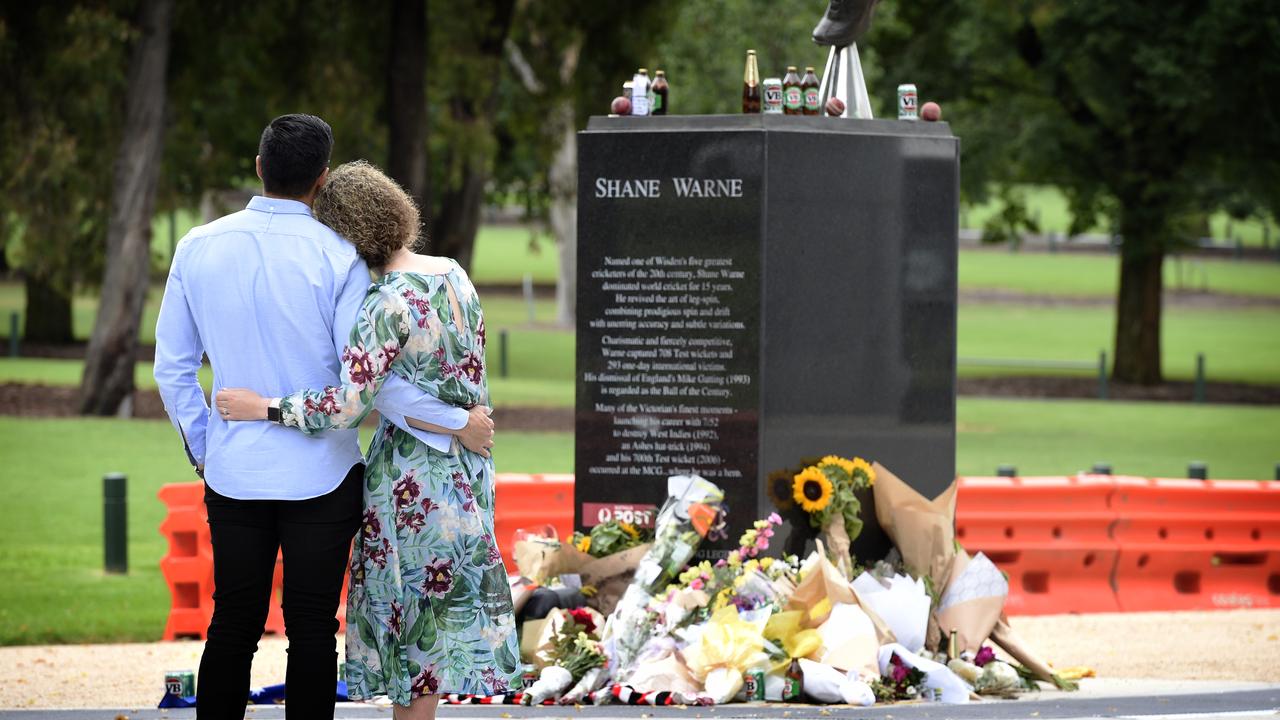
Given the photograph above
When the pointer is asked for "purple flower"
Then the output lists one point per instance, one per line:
(411, 520)
(468, 497)
(372, 528)
(496, 684)
(426, 683)
(439, 578)
(899, 673)
(428, 506)
(396, 623)
(984, 656)
(406, 490)
(472, 367)
(361, 366)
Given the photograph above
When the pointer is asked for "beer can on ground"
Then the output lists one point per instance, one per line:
(529, 675)
(753, 684)
(772, 96)
(908, 103)
(180, 683)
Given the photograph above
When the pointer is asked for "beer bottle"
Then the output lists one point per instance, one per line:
(640, 92)
(812, 101)
(793, 685)
(792, 92)
(660, 91)
(751, 85)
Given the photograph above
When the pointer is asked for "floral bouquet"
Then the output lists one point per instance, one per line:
(611, 537)
(692, 510)
(575, 655)
(827, 493)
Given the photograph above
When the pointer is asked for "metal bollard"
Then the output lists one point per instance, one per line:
(13, 335)
(528, 296)
(1101, 469)
(1006, 471)
(115, 523)
(1199, 387)
(1198, 471)
(502, 353)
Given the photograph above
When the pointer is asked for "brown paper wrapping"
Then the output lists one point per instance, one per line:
(973, 620)
(923, 530)
(535, 636)
(1009, 641)
(610, 576)
(837, 538)
(542, 560)
(669, 673)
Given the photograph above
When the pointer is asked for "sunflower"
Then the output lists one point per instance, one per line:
(861, 470)
(837, 461)
(584, 543)
(812, 490)
(778, 486)
(630, 529)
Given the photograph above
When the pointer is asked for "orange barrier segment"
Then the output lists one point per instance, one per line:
(1050, 535)
(1197, 545)
(188, 566)
(528, 502)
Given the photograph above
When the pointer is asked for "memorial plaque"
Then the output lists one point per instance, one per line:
(753, 290)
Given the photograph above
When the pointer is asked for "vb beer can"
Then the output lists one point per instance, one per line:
(753, 684)
(180, 683)
(908, 102)
(529, 675)
(772, 96)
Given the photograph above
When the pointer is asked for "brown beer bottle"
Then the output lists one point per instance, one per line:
(812, 98)
(751, 85)
(660, 92)
(793, 682)
(792, 92)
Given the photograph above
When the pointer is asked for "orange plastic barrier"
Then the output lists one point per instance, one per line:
(188, 567)
(1197, 544)
(531, 501)
(1051, 535)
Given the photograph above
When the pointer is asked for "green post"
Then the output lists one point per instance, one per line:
(1198, 471)
(1200, 382)
(502, 352)
(1102, 374)
(1006, 471)
(1101, 469)
(115, 523)
(14, 350)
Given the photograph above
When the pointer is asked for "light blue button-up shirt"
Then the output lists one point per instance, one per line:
(270, 294)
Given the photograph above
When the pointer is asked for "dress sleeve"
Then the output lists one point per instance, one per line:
(380, 332)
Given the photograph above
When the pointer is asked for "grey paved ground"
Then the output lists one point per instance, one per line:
(1148, 700)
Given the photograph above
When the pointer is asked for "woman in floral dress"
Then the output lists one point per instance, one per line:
(429, 606)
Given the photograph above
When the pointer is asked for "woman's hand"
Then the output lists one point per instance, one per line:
(241, 404)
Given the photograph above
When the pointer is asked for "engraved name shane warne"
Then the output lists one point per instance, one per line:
(684, 187)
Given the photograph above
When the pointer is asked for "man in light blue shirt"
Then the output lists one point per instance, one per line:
(270, 295)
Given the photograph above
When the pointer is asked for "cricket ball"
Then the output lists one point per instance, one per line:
(835, 107)
(620, 106)
(931, 111)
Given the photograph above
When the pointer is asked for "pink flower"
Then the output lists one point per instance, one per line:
(984, 656)
(696, 584)
(775, 518)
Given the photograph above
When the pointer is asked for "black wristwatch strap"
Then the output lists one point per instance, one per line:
(273, 413)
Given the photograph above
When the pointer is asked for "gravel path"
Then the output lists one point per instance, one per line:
(1225, 645)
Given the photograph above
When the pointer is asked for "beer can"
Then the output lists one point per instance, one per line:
(772, 96)
(753, 684)
(180, 683)
(908, 102)
(529, 675)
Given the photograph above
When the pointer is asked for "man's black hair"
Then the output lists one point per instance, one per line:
(294, 150)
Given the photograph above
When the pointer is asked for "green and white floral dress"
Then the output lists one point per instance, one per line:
(429, 607)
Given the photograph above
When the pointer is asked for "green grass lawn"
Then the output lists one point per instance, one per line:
(1049, 207)
(51, 526)
(1091, 275)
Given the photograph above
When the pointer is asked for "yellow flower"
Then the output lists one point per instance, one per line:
(812, 490)
(584, 544)
(630, 529)
(766, 563)
(837, 461)
(860, 466)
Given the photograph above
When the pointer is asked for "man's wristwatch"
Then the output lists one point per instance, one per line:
(273, 411)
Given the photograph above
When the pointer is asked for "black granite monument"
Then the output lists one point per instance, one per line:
(758, 289)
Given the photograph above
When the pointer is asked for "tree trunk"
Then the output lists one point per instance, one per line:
(563, 215)
(107, 387)
(1138, 306)
(407, 98)
(453, 230)
(48, 314)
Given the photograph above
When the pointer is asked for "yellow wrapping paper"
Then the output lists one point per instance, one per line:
(728, 642)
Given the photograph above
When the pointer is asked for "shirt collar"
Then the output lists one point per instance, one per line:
(278, 205)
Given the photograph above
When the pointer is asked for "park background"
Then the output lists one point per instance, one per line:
(1119, 183)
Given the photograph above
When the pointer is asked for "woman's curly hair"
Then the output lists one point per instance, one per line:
(369, 209)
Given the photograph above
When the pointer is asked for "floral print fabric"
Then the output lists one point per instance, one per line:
(429, 607)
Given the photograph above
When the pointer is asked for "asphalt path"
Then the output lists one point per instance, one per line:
(1174, 704)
